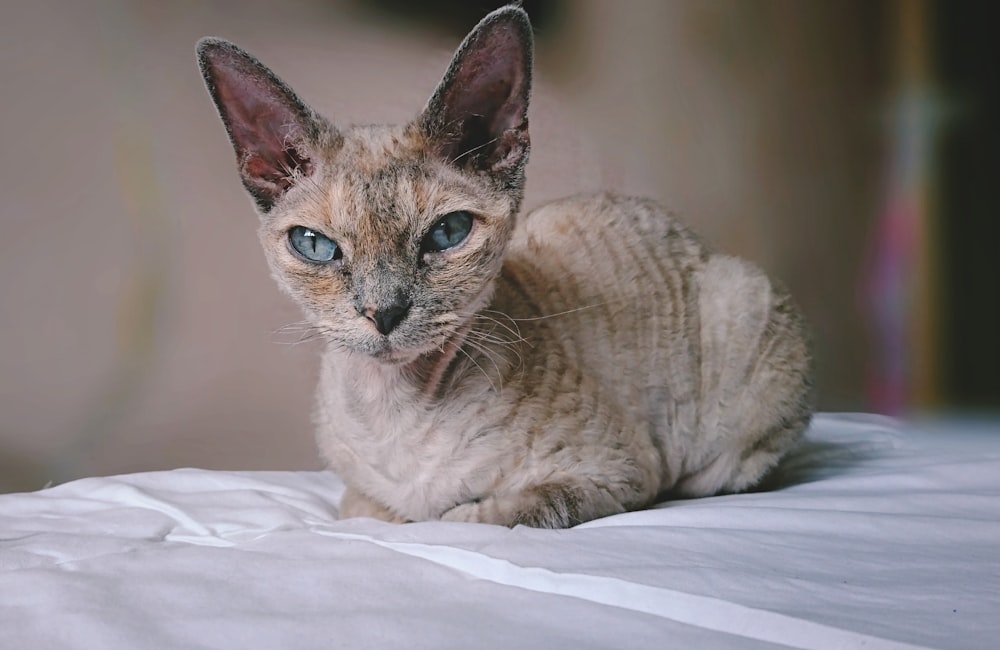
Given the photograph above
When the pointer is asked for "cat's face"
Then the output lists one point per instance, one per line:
(389, 238)
(388, 249)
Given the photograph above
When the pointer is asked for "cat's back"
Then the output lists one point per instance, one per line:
(666, 327)
(603, 257)
(607, 220)
(609, 279)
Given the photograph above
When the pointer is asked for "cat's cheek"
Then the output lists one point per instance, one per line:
(317, 291)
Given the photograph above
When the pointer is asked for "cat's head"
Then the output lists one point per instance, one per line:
(390, 238)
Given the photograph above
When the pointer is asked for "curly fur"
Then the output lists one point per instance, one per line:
(582, 360)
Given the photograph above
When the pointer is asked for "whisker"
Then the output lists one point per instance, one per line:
(481, 315)
(488, 338)
(515, 330)
(488, 344)
(303, 331)
(472, 150)
(292, 327)
(483, 346)
(561, 313)
(469, 356)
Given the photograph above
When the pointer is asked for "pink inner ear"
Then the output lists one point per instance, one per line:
(262, 127)
(491, 83)
(266, 121)
(480, 111)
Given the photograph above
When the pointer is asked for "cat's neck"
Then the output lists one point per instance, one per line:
(430, 372)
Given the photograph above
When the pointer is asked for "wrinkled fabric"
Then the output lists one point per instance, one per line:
(874, 534)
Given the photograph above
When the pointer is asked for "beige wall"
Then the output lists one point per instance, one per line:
(761, 123)
(136, 316)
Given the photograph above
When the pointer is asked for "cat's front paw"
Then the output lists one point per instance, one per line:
(464, 512)
(551, 505)
(355, 504)
(480, 511)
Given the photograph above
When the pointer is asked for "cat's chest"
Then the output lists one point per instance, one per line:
(417, 457)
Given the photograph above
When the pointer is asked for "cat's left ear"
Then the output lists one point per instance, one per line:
(477, 118)
(268, 125)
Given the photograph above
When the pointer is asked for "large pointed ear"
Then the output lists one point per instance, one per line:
(477, 118)
(269, 126)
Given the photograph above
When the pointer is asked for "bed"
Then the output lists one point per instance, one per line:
(874, 534)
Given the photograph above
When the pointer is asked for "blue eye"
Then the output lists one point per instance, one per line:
(313, 246)
(450, 231)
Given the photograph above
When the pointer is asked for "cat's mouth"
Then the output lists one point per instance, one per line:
(393, 354)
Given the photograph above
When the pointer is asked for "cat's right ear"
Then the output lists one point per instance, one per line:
(268, 125)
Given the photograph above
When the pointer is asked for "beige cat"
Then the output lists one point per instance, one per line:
(582, 360)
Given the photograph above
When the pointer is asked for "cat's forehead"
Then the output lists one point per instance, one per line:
(372, 149)
(370, 173)
(374, 169)
(380, 168)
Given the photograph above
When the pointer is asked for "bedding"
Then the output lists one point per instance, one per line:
(874, 534)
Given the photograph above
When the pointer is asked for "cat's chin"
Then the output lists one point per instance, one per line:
(392, 357)
(432, 354)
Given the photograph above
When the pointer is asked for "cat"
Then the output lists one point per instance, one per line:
(588, 358)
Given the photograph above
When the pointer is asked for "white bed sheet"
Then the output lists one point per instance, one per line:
(879, 535)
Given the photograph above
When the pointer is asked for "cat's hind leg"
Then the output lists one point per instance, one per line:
(741, 468)
(755, 380)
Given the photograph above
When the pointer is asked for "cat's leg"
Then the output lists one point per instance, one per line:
(555, 504)
(356, 504)
(571, 491)
(755, 380)
(742, 466)
(572, 455)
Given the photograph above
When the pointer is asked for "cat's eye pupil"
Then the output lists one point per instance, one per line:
(313, 246)
(450, 231)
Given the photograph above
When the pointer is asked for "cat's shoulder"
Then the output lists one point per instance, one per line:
(598, 202)
(605, 211)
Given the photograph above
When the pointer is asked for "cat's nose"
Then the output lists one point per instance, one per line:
(388, 318)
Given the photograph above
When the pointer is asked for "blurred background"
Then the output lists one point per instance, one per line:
(849, 147)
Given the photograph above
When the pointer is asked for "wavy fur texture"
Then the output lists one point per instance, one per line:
(585, 359)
